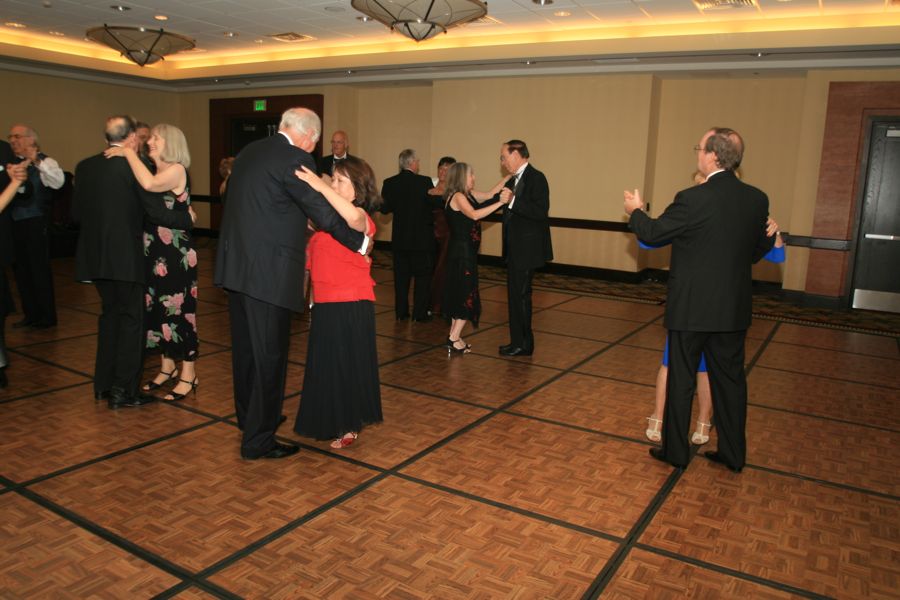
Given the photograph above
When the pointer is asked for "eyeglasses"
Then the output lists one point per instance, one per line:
(698, 149)
(16, 136)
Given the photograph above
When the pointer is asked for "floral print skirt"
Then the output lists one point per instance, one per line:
(171, 295)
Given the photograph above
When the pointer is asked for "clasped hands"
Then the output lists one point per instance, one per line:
(18, 172)
(506, 195)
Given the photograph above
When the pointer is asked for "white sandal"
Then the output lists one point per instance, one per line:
(654, 432)
(700, 437)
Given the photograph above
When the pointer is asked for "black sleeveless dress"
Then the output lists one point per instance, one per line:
(461, 297)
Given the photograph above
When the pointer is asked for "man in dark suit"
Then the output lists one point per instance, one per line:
(717, 230)
(340, 150)
(260, 262)
(111, 206)
(412, 235)
(526, 241)
(7, 157)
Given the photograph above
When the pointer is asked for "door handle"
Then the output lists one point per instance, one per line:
(878, 236)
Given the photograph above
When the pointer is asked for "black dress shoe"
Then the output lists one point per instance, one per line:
(119, 399)
(716, 458)
(657, 453)
(277, 451)
(21, 324)
(516, 351)
(505, 348)
(104, 395)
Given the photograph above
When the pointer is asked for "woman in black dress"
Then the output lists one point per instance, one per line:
(171, 298)
(461, 204)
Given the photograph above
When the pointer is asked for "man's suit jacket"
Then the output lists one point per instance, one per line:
(326, 164)
(717, 230)
(111, 206)
(406, 195)
(6, 243)
(262, 243)
(526, 226)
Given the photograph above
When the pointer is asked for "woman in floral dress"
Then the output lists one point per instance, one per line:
(171, 296)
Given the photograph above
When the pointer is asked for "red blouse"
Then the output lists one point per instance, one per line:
(338, 274)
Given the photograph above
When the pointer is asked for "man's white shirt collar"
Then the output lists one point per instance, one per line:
(713, 173)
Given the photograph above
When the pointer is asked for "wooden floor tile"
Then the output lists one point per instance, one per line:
(616, 309)
(808, 394)
(582, 478)
(839, 452)
(193, 500)
(832, 364)
(602, 404)
(71, 323)
(648, 575)
(43, 556)
(77, 353)
(550, 350)
(584, 326)
(412, 423)
(835, 339)
(494, 290)
(652, 337)
(398, 539)
(470, 377)
(820, 538)
(627, 364)
(46, 433)
(29, 376)
(193, 593)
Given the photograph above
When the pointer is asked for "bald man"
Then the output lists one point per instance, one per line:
(340, 149)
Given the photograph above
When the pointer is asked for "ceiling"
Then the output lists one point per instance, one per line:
(235, 47)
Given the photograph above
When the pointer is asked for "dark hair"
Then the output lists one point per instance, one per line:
(727, 145)
(518, 146)
(141, 125)
(362, 177)
(456, 180)
(119, 127)
(446, 160)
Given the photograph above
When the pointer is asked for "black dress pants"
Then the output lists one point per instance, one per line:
(725, 361)
(260, 336)
(518, 295)
(121, 337)
(412, 265)
(34, 277)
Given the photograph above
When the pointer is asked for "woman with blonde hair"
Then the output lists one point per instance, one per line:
(171, 297)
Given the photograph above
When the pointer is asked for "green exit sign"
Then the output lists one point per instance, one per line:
(259, 106)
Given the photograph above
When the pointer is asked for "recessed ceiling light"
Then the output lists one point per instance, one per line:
(364, 18)
(543, 2)
(230, 34)
(161, 17)
(335, 8)
(120, 7)
(258, 41)
(562, 13)
(291, 37)
(15, 25)
(47, 4)
(57, 33)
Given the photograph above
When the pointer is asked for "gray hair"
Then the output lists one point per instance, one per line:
(407, 158)
(303, 121)
(29, 132)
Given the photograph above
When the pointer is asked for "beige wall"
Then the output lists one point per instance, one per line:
(70, 115)
(592, 135)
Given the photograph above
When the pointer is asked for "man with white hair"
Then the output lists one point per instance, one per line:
(260, 262)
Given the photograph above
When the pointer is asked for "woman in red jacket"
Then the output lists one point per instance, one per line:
(341, 391)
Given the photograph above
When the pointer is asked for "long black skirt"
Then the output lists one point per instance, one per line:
(341, 390)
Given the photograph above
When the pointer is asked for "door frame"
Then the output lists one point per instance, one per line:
(869, 124)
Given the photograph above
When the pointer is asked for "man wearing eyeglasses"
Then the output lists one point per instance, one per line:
(29, 212)
(718, 230)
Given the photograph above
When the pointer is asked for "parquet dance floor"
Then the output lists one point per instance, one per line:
(489, 478)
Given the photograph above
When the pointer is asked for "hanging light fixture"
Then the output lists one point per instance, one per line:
(421, 19)
(140, 45)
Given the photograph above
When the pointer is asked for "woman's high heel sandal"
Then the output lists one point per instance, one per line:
(458, 346)
(701, 436)
(173, 397)
(170, 377)
(654, 430)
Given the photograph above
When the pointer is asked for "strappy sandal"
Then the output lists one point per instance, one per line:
(654, 431)
(701, 436)
(152, 385)
(346, 440)
(173, 397)
(453, 348)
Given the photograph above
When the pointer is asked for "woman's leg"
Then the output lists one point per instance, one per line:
(187, 381)
(654, 422)
(166, 374)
